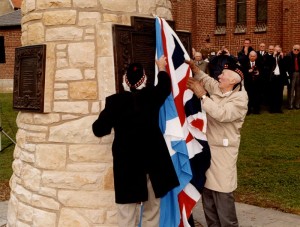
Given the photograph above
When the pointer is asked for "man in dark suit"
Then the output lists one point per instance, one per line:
(143, 169)
(253, 82)
(268, 70)
(243, 54)
(261, 56)
(292, 62)
(261, 52)
(277, 80)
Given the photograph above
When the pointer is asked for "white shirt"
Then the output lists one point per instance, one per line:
(276, 70)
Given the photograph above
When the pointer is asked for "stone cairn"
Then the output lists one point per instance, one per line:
(62, 174)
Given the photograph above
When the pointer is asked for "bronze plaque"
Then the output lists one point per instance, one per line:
(137, 43)
(29, 78)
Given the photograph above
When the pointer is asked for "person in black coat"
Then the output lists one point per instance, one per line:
(277, 80)
(253, 72)
(243, 54)
(141, 160)
(268, 72)
(292, 63)
(261, 56)
(216, 63)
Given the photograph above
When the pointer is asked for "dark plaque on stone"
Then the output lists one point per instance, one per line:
(29, 78)
(137, 43)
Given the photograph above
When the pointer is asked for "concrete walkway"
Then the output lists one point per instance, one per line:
(248, 215)
(253, 216)
(3, 212)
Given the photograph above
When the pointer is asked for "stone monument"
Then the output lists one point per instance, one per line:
(62, 173)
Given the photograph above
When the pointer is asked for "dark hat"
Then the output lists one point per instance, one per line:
(135, 75)
(235, 67)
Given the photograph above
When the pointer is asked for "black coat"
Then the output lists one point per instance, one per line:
(244, 58)
(216, 64)
(255, 76)
(289, 62)
(282, 68)
(139, 147)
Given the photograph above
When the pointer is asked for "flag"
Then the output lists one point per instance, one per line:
(183, 125)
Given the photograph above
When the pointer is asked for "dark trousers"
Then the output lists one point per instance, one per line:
(253, 88)
(276, 93)
(294, 91)
(219, 209)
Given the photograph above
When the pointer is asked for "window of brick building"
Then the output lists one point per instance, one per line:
(220, 17)
(261, 15)
(2, 50)
(240, 16)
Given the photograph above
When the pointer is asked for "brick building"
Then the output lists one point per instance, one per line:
(272, 22)
(277, 22)
(10, 38)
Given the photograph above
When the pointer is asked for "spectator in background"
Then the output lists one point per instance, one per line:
(261, 52)
(261, 57)
(292, 62)
(243, 54)
(253, 82)
(267, 70)
(199, 62)
(217, 62)
(277, 80)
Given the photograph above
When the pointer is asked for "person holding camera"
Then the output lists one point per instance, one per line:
(217, 62)
(243, 54)
(253, 82)
(277, 80)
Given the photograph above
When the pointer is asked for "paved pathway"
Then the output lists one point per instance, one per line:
(3, 212)
(248, 215)
(253, 216)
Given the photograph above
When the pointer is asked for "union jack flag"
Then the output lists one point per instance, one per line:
(183, 124)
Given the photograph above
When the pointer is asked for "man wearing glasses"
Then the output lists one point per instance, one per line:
(292, 61)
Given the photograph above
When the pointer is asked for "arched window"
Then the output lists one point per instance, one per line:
(2, 50)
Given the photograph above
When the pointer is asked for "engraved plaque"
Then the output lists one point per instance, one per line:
(137, 43)
(29, 78)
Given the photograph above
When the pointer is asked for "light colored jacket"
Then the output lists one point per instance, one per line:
(225, 117)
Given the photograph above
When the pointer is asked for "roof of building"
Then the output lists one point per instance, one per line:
(11, 19)
(17, 3)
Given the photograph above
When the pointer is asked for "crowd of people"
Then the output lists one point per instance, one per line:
(228, 87)
(267, 71)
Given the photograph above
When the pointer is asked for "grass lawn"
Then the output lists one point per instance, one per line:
(8, 123)
(268, 164)
(269, 161)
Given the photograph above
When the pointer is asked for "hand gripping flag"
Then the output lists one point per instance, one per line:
(183, 124)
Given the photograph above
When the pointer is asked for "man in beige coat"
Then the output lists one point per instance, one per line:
(226, 108)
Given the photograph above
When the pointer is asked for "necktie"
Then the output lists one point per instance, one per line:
(296, 64)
